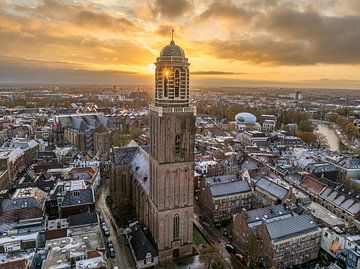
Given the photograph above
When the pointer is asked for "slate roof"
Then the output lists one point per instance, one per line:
(250, 163)
(78, 197)
(270, 213)
(272, 188)
(44, 154)
(82, 219)
(40, 182)
(220, 179)
(350, 163)
(140, 168)
(124, 156)
(141, 244)
(21, 203)
(342, 200)
(85, 123)
(320, 168)
(287, 228)
(294, 178)
(229, 188)
(146, 148)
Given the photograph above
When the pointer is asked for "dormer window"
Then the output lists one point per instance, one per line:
(76, 193)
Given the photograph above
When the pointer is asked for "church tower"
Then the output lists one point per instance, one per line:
(172, 131)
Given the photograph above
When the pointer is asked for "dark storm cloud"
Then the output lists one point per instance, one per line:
(226, 10)
(41, 72)
(172, 8)
(259, 50)
(285, 36)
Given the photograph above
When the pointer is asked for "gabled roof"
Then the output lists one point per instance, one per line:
(84, 123)
(220, 179)
(250, 163)
(290, 227)
(321, 168)
(141, 243)
(312, 185)
(272, 188)
(229, 188)
(350, 163)
(344, 201)
(82, 219)
(124, 156)
(78, 197)
(269, 213)
(21, 203)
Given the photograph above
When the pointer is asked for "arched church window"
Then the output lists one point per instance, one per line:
(176, 226)
(177, 144)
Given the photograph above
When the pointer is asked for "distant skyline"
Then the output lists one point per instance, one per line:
(290, 43)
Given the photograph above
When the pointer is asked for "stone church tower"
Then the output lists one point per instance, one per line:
(171, 159)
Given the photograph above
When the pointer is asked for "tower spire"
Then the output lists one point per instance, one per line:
(172, 37)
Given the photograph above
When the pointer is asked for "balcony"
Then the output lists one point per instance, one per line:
(161, 110)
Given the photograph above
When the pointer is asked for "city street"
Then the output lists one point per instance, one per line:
(214, 236)
(123, 258)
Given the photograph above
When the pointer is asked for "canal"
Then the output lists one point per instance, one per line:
(332, 138)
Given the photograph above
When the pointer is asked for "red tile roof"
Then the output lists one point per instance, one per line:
(312, 185)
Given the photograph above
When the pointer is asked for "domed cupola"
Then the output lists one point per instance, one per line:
(172, 50)
(172, 77)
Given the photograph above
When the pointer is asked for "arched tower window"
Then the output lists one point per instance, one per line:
(166, 82)
(177, 144)
(176, 226)
(177, 82)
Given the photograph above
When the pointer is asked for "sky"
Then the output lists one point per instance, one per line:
(309, 43)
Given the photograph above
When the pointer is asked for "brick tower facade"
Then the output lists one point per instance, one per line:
(171, 159)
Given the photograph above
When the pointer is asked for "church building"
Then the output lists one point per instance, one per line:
(155, 182)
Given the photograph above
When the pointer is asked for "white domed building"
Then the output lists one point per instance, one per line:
(246, 121)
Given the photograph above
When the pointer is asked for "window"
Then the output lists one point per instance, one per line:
(177, 83)
(177, 144)
(148, 258)
(76, 193)
(176, 226)
(166, 82)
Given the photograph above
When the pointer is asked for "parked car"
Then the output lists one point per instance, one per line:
(106, 232)
(110, 244)
(230, 248)
(240, 258)
(111, 253)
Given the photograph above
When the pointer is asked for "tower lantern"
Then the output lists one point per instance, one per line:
(172, 77)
